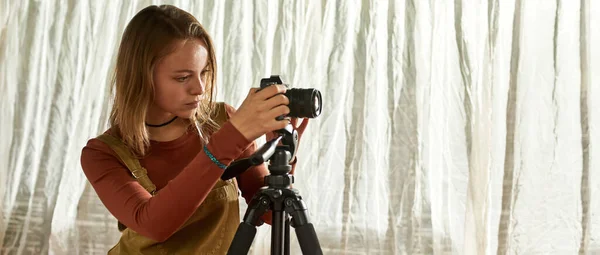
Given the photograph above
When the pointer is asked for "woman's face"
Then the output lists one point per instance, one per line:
(179, 81)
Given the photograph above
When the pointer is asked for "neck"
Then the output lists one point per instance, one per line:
(161, 125)
(169, 132)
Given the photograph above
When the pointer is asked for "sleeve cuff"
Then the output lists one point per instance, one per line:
(227, 143)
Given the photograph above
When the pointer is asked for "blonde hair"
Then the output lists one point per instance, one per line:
(150, 36)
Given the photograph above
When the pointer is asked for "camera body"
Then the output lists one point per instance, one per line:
(304, 103)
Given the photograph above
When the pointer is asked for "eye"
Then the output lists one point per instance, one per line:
(182, 79)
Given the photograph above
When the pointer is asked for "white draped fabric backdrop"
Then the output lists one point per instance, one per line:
(449, 127)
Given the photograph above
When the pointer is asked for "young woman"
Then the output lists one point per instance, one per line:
(157, 169)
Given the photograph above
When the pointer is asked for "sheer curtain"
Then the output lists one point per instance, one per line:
(449, 127)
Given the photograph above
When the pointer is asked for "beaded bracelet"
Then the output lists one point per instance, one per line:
(215, 160)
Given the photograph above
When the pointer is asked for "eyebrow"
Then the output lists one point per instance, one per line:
(184, 71)
(189, 71)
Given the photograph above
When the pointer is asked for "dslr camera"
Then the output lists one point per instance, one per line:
(304, 103)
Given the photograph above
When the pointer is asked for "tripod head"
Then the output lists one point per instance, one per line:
(279, 156)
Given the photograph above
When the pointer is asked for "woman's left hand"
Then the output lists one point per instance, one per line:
(298, 127)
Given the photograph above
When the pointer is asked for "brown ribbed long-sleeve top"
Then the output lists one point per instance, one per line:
(183, 175)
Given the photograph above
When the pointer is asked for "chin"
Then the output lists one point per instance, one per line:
(187, 114)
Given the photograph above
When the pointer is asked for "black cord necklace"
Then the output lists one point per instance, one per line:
(162, 125)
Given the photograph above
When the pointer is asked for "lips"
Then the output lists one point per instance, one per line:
(193, 104)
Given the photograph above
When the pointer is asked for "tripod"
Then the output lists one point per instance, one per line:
(277, 196)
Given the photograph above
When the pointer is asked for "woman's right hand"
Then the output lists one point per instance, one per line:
(256, 116)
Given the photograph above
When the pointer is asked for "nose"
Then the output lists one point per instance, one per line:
(197, 87)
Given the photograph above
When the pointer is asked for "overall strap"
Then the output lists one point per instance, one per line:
(132, 163)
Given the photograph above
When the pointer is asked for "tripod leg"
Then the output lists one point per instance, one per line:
(307, 237)
(243, 239)
(277, 233)
(286, 243)
(247, 229)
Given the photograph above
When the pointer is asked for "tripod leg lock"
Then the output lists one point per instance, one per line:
(296, 208)
(305, 231)
(256, 209)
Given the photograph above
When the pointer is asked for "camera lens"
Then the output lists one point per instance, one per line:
(304, 103)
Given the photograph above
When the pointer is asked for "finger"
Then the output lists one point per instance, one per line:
(252, 91)
(278, 111)
(294, 121)
(275, 101)
(279, 124)
(270, 91)
(303, 125)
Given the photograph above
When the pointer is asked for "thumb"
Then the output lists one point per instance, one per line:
(303, 125)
